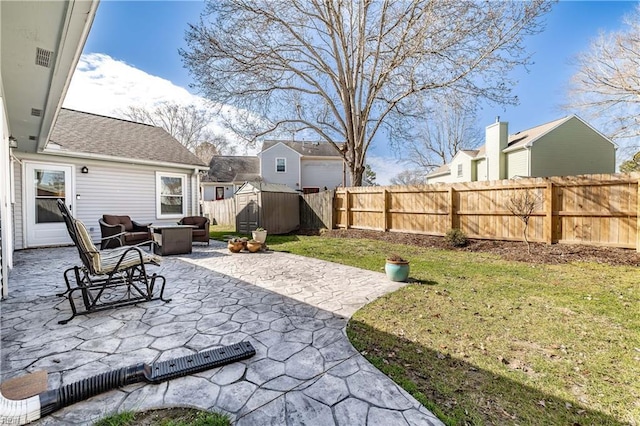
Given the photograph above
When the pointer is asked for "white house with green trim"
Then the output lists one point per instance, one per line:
(565, 147)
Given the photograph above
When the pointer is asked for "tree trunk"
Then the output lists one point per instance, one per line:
(356, 176)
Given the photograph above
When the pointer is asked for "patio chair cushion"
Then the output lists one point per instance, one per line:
(105, 263)
(118, 220)
(133, 238)
(194, 220)
(201, 232)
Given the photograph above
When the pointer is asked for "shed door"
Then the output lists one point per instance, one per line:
(247, 213)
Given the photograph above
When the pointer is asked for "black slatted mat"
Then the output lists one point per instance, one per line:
(178, 367)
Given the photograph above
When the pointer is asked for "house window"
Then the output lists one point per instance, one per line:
(170, 195)
(281, 165)
(219, 192)
(459, 170)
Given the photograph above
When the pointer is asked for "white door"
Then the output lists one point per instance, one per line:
(44, 184)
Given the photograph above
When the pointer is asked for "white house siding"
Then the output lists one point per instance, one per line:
(439, 179)
(108, 188)
(6, 246)
(209, 190)
(17, 206)
(481, 169)
(517, 163)
(291, 176)
(321, 173)
(460, 159)
(572, 149)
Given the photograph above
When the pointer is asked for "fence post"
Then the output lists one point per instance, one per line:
(452, 209)
(548, 202)
(346, 209)
(385, 208)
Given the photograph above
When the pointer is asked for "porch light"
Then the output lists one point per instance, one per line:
(84, 169)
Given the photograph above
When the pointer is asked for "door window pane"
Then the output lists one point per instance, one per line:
(49, 186)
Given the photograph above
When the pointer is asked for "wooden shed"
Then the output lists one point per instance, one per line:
(271, 206)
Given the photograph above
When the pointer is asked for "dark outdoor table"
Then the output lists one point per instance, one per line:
(173, 239)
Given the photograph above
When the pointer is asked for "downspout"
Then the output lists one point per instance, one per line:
(195, 191)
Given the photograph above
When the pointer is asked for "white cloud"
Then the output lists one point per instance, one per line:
(386, 168)
(103, 85)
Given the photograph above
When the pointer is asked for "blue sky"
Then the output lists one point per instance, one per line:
(131, 56)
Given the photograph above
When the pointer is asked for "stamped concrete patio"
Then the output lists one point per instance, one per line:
(292, 309)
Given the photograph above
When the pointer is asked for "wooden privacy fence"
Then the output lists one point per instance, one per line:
(220, 212)
(316, 210)
(590, 209)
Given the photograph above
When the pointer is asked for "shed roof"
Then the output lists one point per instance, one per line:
(83, 132)
(312, 149)
(233, 168)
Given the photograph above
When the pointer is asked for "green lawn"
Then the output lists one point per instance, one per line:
(483, 341)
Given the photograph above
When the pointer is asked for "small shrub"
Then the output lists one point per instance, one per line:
(456, 238)
(395, 258)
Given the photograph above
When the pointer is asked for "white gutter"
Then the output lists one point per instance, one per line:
(112, 159)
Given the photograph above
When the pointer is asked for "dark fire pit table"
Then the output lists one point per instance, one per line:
(173, 239)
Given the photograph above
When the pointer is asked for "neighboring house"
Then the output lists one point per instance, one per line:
(565, 147)
(304, 166)
(102, 165)
(227, 174)
(40, 44)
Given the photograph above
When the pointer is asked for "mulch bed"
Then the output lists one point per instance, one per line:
(508, 250)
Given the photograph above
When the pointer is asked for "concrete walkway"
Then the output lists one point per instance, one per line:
(292, 309)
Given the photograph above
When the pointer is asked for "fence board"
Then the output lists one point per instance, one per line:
(220, 212)
(590, 209)
(317, 210)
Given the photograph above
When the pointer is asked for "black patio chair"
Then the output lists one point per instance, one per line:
(107, 279)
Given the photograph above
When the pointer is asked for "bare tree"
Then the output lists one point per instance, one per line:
(186, 123)
(215, 145)
(408, 177)
(522, 205)
(341, 70)
(451, 127)
(606, 87)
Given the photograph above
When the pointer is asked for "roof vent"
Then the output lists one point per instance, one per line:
(32, 138)
(36, 112)
(43, 57)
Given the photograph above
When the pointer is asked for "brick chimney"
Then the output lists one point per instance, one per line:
(496, 138)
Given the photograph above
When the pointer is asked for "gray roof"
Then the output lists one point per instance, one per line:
(232, 168)
(267, 187)
(83, 132)
(315, 149)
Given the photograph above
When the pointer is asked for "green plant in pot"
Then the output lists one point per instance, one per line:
(397, 268)
(253, 246)
(235, 245)
(259, 235)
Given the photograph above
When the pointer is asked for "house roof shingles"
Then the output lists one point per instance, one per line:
(231, 168)
(83, 132)
(312, 149)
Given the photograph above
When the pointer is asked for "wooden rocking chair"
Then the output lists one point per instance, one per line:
(107, 279)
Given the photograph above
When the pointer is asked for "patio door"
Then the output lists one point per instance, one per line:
(44, 184)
